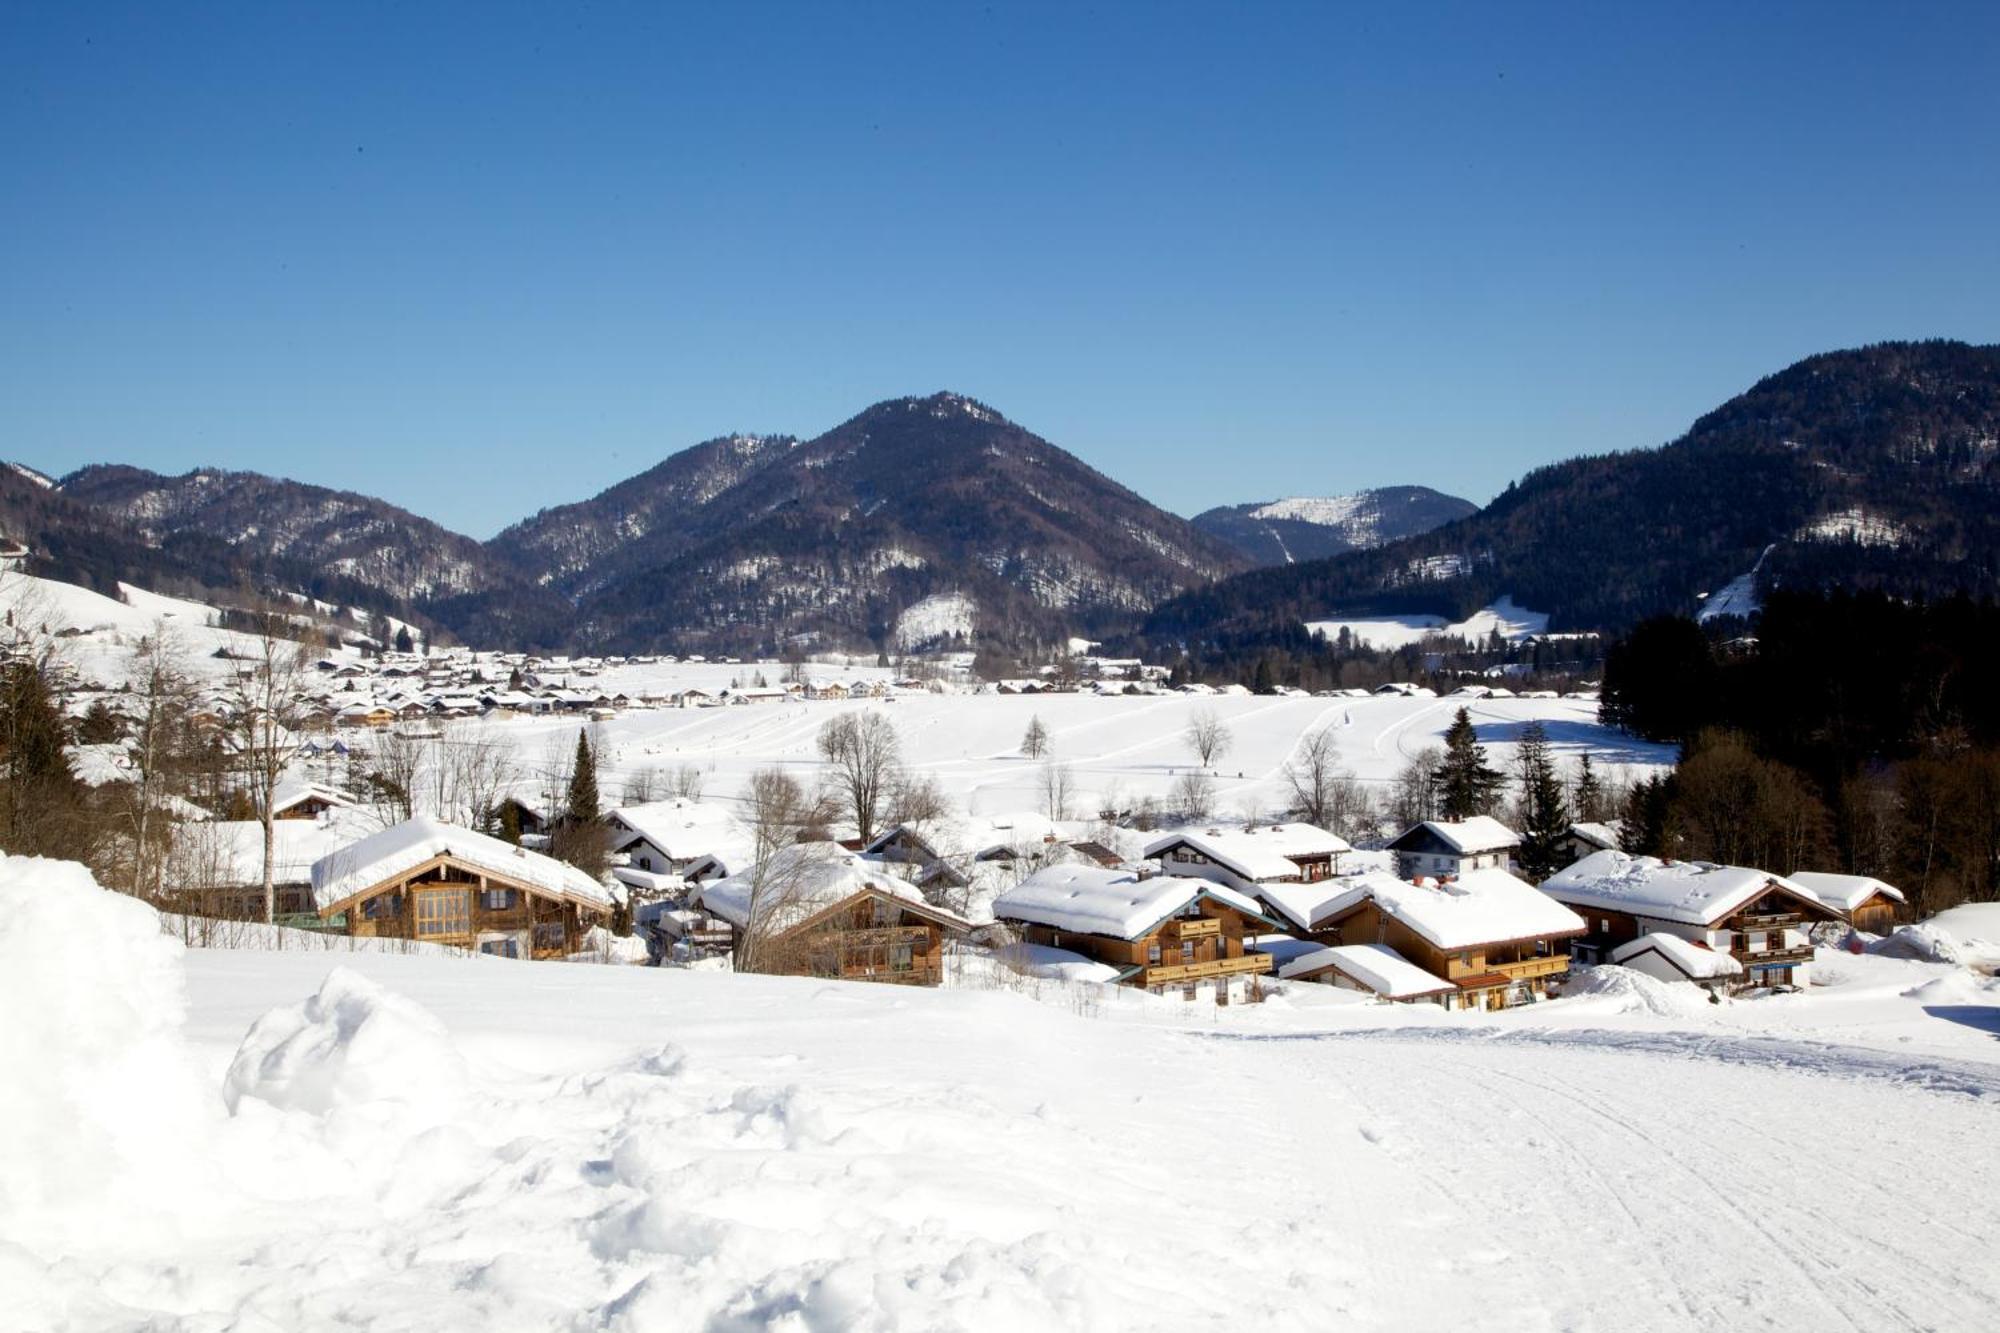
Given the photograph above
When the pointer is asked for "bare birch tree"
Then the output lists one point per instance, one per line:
(864, 758)
(266, 696)
(1208, 737)
(1058, 789)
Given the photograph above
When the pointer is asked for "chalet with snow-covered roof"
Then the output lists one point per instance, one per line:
(669, 837)
(1439, 847)
(1585, 838)
(1862, 901)
(810, 911)
(1756, 917)
(217, 867)
(1491, 936)
(430, 881)
(1167, 934)
(306, 800)
(1251, 856)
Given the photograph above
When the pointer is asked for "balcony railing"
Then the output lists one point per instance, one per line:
(1774, 957)
(1526, 968)
(1198, 928)
(1169, 973)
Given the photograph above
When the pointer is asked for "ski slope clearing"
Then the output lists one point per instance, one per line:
(418, 1143)
(1389, 633)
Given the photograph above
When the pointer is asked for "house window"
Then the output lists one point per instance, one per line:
(645, 863)
(1187, 991)
(497, 900)
(382, 906)
(549, 935)
(900, 958)
(510, 947)
(443, 911)
(1187, 951)
(1153, 953)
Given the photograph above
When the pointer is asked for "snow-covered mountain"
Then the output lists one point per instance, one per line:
(1284, 532)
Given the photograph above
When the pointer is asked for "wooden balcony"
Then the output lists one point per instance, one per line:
(1790, 956)
(1167, 974)
(1769, 921)
(1526, 969)
(1197, 928)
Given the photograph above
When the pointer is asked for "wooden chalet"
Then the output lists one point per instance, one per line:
(430, 881)
(1247, 857)
(1488, 939)
(1862, 901)
(1437, 847)
(810, 910)
(1165, 934)
(1756, 917)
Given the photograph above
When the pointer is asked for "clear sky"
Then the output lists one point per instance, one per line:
(481, 258)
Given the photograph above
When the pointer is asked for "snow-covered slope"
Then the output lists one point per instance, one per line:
(1283, 532)
(1504, 618)
(409, 1142)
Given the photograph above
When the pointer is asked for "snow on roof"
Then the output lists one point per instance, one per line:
(1307, 905)
(1693, 892)
(1376, 966)
(802, 880)
(1844, 893)
(1597, 835)
(1478, 907)
(362, 865)
(1259, 852)
(1699, 963)
(229, 853)
(1096, 900)
(1468, 837)
(682, 828)
(296, 791)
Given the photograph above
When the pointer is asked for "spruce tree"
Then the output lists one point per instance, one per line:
(41, 801)
(1589, 793)
(1466, 785)
(1544, 812)
(583, 808)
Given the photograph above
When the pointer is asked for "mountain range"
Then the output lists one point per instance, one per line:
(1872, 468)
(935, 521)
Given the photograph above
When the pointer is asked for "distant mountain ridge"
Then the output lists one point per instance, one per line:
(1285, 532)
(1872, 468)
(918, 521)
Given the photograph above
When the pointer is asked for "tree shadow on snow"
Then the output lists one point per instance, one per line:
(1983, 1017)
(1606, 745)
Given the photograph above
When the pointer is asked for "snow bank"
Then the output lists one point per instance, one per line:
(103, 1113)
(1925, 942)
(351, 1048)
(1611, 989)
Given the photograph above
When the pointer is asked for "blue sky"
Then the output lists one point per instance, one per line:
(479, 259)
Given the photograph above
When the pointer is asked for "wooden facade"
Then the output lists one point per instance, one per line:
(870, 935)
(1206, 942)
(445, 900)
(1495, 974)
(1755, 935)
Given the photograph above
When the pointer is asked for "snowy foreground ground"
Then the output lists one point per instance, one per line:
(430, 1143)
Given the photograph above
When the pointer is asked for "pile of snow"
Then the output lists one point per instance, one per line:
(1611, 989)
(352, 1049)
(103, 1114)
(1925, 942)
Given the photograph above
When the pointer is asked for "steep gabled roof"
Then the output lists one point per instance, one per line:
(1095, 900)
(1259, 852)
(1696, 893)
(1466, 837)
(1844, 893)
(360, 866)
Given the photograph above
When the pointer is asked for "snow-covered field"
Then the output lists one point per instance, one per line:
(1129, 745)
(312, 1141)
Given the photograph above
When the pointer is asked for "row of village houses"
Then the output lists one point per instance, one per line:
(1204, 913)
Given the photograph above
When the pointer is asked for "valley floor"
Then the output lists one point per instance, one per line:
(449, 1143)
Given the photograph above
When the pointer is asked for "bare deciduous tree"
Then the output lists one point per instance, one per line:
(1208, 737)
(1415, 797)
(1326, 794)
(163, 698)
(864, 756)
(1035, 743)
(686, 782)
(395, 773)
(1058, 789)
(1193, 795)
(267, 699)
(918, 802)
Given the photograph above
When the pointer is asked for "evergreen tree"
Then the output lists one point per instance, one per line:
(404, 643)
(1263, 682)
(583, 806)
(510, 823)
(41, 801)
(1589, 799)
(1544, 812)
(1466, 785)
